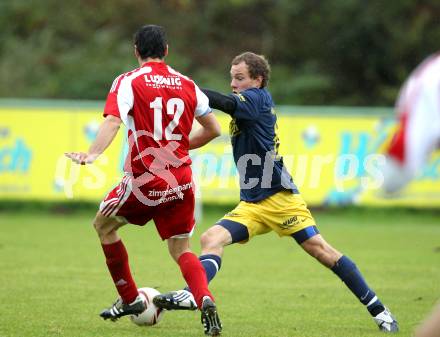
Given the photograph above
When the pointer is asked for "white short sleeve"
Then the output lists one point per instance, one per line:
(125, 98)
(202, 107)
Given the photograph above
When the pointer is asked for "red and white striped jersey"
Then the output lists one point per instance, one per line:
(158, 105)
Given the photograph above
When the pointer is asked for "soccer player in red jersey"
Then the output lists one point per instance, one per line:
(157, 105)
(418, 133)
(416, 138)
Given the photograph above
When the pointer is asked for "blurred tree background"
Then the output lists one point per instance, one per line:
(334, 52)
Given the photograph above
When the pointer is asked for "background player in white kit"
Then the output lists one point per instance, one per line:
(158, 106)
(418, 133)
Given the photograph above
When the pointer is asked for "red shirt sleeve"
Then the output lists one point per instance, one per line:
(111, 105)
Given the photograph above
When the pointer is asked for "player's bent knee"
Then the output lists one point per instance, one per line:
(105, 226)
(215, 238)
(99, 225)
(100, 230)
(208, 240)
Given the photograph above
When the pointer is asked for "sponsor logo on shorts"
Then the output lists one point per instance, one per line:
(170, 194)
(289, 223)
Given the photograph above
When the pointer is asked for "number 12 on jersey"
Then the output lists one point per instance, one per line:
(174, 106)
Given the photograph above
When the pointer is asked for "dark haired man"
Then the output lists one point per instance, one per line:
(158, 105)
(269, 200)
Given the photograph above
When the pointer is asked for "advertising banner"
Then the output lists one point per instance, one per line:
(334, 155)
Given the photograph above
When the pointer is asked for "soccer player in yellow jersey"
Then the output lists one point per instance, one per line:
(269, 199)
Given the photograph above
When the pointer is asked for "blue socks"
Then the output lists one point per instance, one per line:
(212, 264)
(344, 268)
(351, 276)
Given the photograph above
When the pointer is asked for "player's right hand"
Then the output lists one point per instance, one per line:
(81, 157)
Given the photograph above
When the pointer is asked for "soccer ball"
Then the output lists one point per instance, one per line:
(152, 315)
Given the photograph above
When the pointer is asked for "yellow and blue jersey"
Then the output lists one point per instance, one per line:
(255, 143)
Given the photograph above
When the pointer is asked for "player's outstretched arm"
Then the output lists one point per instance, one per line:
(210, 129)
(106, 133)
(218, 101)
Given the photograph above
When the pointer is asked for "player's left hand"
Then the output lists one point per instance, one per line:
(81, 157)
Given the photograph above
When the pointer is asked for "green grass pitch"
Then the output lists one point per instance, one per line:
(54, 281)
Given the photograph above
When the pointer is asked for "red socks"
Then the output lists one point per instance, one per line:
(195, 276)
(117, 263)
